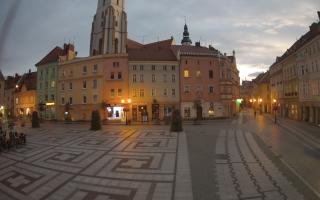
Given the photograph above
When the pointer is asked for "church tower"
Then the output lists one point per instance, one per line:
(186, 36)
(109, 28)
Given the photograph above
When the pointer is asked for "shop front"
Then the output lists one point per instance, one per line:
(140, 113)
(115, 113)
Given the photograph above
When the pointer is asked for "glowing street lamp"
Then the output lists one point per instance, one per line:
(275, 109)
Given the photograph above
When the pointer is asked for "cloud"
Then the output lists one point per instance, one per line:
(258, 30)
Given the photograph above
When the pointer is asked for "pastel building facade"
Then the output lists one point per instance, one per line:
(199, 82)
(25, 96)
(153, 81)
(9, 94)
(93, 83)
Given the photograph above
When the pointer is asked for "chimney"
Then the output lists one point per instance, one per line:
(234, 53)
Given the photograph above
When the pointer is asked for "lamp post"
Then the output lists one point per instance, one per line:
(275, 109)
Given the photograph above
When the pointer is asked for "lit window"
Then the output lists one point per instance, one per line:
(119, 92)
(53, 84)
(112, 92)
(186, 74)
(141, 92)
(198, 73)
(95, 68)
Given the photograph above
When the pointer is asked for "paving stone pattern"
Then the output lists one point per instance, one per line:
(60, 163)
(243, 171)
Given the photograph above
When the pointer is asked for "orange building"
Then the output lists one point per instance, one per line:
(93, 83)
(25, 95)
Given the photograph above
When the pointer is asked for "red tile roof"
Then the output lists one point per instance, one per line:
(157, 51)
(131, 44)
(51, 57)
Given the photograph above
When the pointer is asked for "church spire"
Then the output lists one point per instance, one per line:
(186, 36)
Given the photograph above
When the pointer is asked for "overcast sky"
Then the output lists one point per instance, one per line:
(258, 30)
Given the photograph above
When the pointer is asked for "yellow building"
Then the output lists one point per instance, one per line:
(25, 95)
(262, 93)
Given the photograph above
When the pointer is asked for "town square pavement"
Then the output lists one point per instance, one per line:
(210, 161)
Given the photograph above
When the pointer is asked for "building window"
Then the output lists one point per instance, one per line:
(134, 78)
(141, 67)
(62, 86)
(153, 78)
(95, 68)
(165, 92)
(40, 86)
(187, 89)
(112, 93)
(141, 92)
(112, 76)
(70, 86)
(186, 74)
(211, 74)
(62, 101)
(134, 67)
(198, 74)
(84, 99)
(95, 84)
(187, 112)
(164, 78)
(52, 97)
(70, 101)
(173, 92)
(119, 92)
(84, 69)
(211, 89)
(46, 84)
(165, 68)
(116, 64)
(134, 92)
(53, 84)
(173, 68)
(173, 78)
(84, 84)
(46, 97)
(95, 98)
(153, 92)
(119, 75)
(141, 78)
(153, 67)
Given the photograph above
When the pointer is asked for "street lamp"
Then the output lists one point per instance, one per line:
(275, 109)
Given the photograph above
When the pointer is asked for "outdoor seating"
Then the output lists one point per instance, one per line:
(13, 141)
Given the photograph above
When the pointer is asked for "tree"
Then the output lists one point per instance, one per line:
(95, 121)
(35, 120)
(176, 122)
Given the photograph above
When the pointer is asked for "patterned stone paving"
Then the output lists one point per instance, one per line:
(63, 163)
(243, 171)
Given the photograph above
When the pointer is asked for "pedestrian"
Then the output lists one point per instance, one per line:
(255, 113)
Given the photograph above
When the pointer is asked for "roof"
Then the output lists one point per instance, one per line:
(11, 81)
(51, 57)
(29, 80)
(262, 78)
(131, 44)
(157, 51)
(1, 76)
(193, 50)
